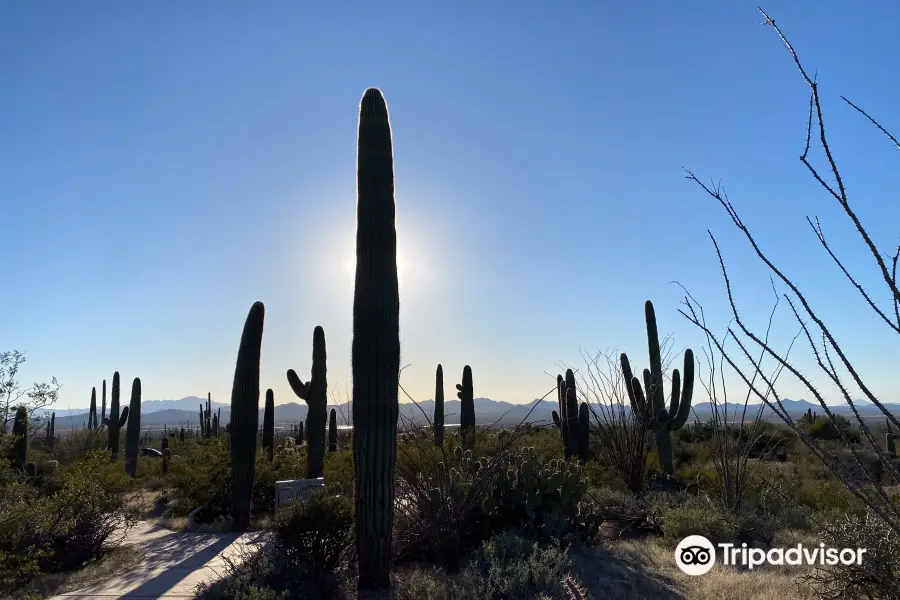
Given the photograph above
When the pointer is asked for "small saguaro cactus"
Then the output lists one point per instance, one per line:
(19, 454)
(332, 431)
(245, 416)
(133, 432)
(208, 423)
(652, 410)
(315, 393)
(202, 420)
(572, 421)
(181, 435)
(559, 418)
(466, 394)
(438, 423)
(300, 433)
(114, 422)
(51, 431)
(167, 456)
(164, 444)
(584, 427)
(268, 436)
(103, 404)
(92, 413)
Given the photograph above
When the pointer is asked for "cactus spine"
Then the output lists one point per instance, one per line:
(20, 433)
(268, 436)
(332, 431)
(114, 423)
(92, 413)
(315, 393)
(133, 432)
(465, 393)
(652, 409)
(375, 353)
(438, 424)
(245, 415)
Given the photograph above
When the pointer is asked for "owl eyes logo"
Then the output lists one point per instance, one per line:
(695, 555)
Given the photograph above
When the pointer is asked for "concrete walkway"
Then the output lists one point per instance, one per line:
(174, 563)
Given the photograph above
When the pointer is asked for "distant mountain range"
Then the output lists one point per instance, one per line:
(186, 412)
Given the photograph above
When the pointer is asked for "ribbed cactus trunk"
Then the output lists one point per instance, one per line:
(375, 353)
(245, 416)
(133, 432)
(332, 431)
(92, 413)
(438, 423)
(114, 422)
(466, 394)
(268, 438)
(103, 403)
(20, 444)
(315, 393)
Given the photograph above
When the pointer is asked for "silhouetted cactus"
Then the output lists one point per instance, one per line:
(208, 422)
(332, 431)
(92, 413)
(133, 432)
(584, 427)
(202, 420)
(890, 442)
(315, 393)
(438, 423)
(268, 436)
(103, 404)
(299, 433)
(245, 415)
(218, 421)
(465, 392)
(164, 444)
(560, 417)
(19, 450)
(375, 353)
(51, 431)
(167, 456)
(114, 423)
(652, 409)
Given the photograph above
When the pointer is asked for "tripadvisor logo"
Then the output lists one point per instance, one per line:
(696, 555)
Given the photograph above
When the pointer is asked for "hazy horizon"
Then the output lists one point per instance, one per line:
(164, 167)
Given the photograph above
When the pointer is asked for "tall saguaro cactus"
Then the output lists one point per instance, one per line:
(114, 422)
(299, 439)
(652, 408)
(133, 432)
(268, 438)
(573, 420)
(315, 393)
(438, 423)
(245, 416)
(103, 404)
(466, 394)
(332, 431)
(375, 352)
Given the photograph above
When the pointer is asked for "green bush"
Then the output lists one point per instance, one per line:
(70, 518)
(710, 522)
(317, 533)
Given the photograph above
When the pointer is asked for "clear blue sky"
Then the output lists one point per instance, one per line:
(163, 165)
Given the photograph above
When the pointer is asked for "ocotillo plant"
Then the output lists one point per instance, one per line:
(20, 433)
(465, 392)
(300, 433)
(332, 431)
(316, 397)
(268, 436)
(375, 352)
(92, 413)
(167, 456)
(245, 415)
(652, 409)
(133, 432)
(114, 423)
(438, 423)
(103, 404)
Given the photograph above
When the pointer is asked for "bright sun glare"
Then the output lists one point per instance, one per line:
(402, 268)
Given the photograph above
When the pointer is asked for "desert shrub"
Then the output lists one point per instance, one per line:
(317, 533)
(710, 522)
(824, 429)
(200, 474)
(60, 531)
(338, 472)
(877, 578)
